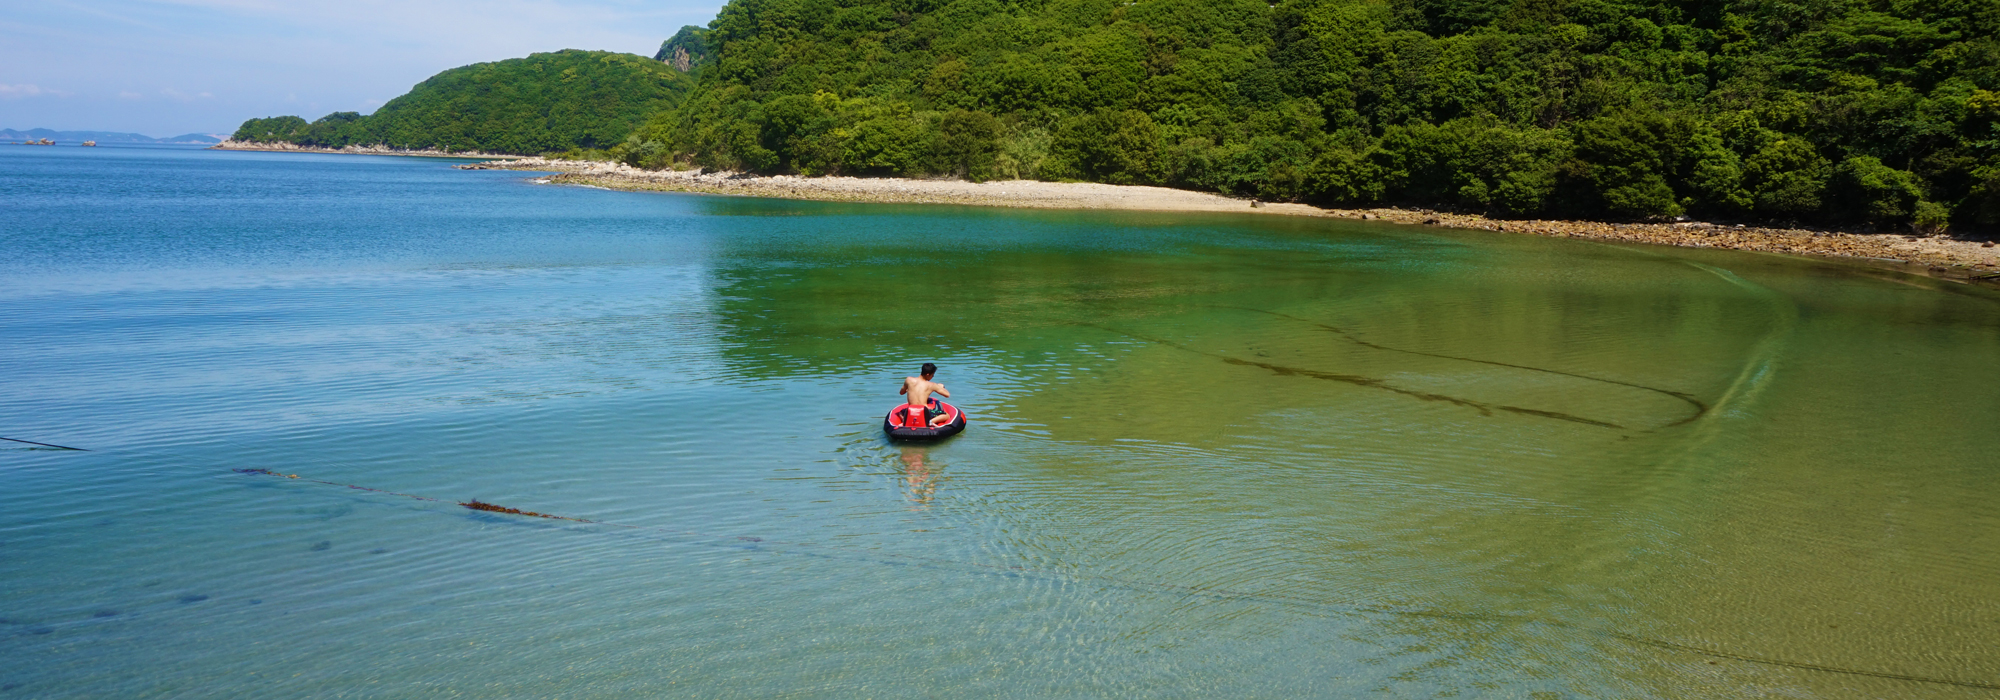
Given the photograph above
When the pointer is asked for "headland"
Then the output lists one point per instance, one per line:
(280, 146)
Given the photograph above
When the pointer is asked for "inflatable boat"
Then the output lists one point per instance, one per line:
(906, 422)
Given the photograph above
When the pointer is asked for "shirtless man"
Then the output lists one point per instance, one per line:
(920, 389)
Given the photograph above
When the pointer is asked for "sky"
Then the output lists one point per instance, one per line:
(170, 67)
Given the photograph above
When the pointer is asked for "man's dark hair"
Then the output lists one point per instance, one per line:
(929, 369)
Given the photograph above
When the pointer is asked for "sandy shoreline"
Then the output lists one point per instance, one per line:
(355, 150)
(1941, 257)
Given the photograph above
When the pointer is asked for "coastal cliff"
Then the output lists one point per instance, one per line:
(687, 50)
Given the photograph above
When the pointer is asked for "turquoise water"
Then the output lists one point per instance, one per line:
(1228, 456)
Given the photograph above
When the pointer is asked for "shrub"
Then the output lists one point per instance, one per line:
(1931, 218)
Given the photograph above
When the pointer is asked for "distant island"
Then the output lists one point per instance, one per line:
(1883, 115)
(77, 137)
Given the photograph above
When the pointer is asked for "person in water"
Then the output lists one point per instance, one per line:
(919, 389)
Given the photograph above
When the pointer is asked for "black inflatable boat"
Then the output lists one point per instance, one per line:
(907, 422)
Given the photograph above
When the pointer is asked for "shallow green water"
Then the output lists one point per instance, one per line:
(1209, 455)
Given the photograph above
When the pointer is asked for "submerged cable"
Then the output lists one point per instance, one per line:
(44, 444)
(1700, 407)
(1484, 408)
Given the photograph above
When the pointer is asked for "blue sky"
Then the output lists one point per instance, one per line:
(170, 67)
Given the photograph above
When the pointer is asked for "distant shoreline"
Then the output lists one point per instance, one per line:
(1945, 258)
(233, 145)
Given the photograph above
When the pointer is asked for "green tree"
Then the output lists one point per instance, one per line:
(1863, 189)
(270, 129)
(1787, 178)
(1714, 178)
(1626, 160)
(967, 145)
(1121, 147)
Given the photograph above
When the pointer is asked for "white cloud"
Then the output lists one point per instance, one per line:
(27, 90)
(179, 96)
(473, 30)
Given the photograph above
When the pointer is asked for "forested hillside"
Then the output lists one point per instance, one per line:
(1835, 111)
(545, 102)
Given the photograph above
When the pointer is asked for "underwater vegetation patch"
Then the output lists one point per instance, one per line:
(1276, 598)
(475, 504)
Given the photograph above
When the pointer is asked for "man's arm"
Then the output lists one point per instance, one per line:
(905, 389)
(939, 389)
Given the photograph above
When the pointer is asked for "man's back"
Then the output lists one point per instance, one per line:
(919, 389)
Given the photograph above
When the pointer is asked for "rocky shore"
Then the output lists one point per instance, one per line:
(1938, 256)
(233, 145)
(1943, 257)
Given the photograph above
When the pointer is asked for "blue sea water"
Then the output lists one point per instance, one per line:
(1210, 455)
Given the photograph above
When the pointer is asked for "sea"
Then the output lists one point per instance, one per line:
(1208, 455)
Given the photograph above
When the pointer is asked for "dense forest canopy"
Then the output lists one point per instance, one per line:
(1877, 112)
(1857, 111)
(545, 102)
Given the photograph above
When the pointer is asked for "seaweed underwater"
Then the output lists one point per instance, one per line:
(1298, 603)
(474, 504)
(1301, 604)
